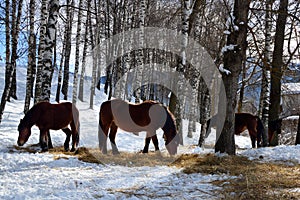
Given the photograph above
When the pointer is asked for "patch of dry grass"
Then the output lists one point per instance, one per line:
(255, 180)
(91, 155)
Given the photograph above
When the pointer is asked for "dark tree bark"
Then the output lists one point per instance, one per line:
(277, 65)
(233, 60)
(298, 132)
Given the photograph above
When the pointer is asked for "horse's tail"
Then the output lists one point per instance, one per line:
(260, 132)
(76, 123)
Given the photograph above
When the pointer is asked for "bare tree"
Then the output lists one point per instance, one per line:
(234, 56)
(277, 65)
(68, 46)
(31, 57)
(78, 34)
(10, 71)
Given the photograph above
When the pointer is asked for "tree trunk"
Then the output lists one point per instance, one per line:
(265, 85)
(43, 28)
(233, 60)
(298, 132)
(16, 20)
(277, 65)
(31, 57)
(68, 40)
(10, 72)
(48, 54)
(84, 53)
(75, 80)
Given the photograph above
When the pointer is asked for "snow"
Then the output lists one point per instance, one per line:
(43, 176)
(223, 70)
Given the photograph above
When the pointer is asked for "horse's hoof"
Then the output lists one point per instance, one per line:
(116, 152)
(104, 152)
(44, 149)
(73, 149)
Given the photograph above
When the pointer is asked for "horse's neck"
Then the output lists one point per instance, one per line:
(31, 117)
(169, 122)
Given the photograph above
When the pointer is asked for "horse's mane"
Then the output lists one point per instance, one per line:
(30, 115)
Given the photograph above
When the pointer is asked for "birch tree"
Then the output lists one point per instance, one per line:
(48, 54)
(31, 66)
(41, 49)
(68, 46)
(78, 34)
(265, 85)
(84, 53)
(10, 70)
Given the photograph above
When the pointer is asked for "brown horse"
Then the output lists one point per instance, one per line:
(147, 116)
(50, 116)
(245, 121)
(274, 126)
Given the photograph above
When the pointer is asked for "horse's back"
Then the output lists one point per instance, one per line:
(56, 116)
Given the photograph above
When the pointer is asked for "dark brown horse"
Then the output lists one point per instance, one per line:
(51, 116)
(274, 126)
(245, 121)
(147, 116)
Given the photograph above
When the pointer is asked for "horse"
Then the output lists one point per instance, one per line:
(274, 126)
(48, 116)
(147, 116)
(245, 121)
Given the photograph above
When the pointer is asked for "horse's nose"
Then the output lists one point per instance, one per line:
(20, 143)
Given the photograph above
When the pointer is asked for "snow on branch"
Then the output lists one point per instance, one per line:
(223, 70)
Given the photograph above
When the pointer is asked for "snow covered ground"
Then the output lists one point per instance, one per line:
(40, 176)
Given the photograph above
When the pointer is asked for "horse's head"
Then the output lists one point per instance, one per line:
(24, 133)
(171, 142)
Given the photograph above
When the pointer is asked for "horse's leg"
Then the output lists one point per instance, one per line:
(68, 133)
(253, 140)
(75, 135)
(147, 142)
(155, 142)
(50, 146)
(44, 140)
(112, 136)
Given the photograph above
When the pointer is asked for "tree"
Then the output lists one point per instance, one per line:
(11, 59)
(48, 54)
(31, 66)
(234, 56)
(75, 81)
(298, 132)
(68, 46)
(84, 53)
(277, 65)
(41, 49)
(265, 86)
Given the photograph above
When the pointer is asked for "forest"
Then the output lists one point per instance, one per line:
(202, 59)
